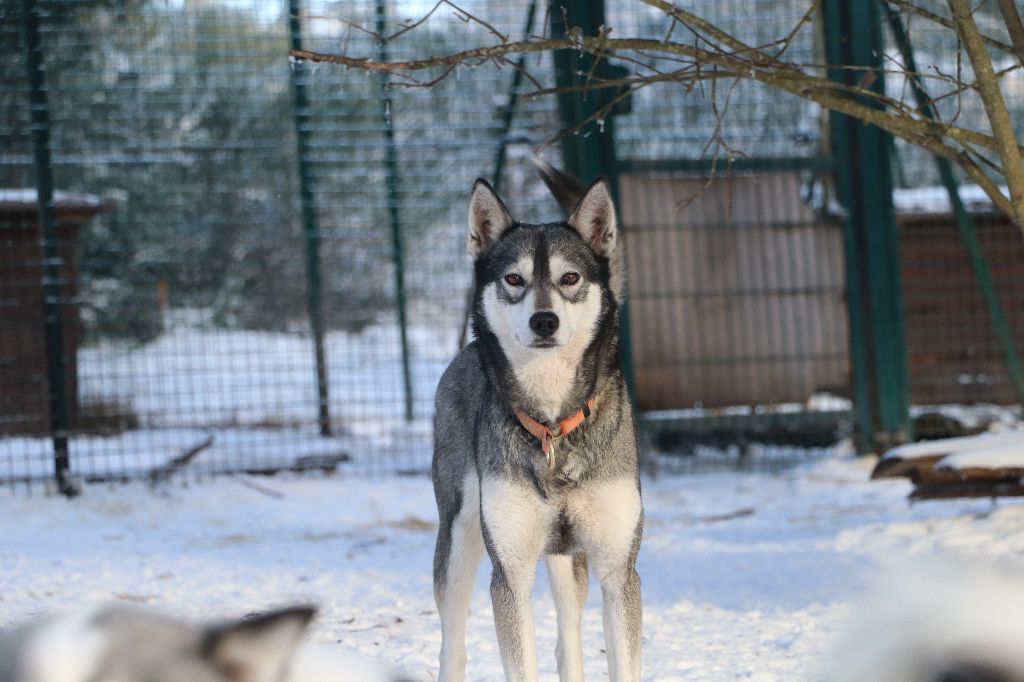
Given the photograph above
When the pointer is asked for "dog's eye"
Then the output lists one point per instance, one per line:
(514, 280)
(570, 278)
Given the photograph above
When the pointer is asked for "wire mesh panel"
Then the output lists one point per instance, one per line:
(960, 372)
(737, 291)
(262, 262)
(941, 63)
(193, 292)
(721, 117)
(955, 355)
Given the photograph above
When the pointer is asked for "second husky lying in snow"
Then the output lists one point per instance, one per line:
(535, 450)
(121, 644)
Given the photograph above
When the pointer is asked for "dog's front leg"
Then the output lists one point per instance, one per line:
(515, 525)
(623, 612)
(568, 574)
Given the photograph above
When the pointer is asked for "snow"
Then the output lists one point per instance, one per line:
(255, 394)
(981, 416)
(134, 454)
(945, 446)
(1008, 454)
(27, 198)
(745, 576)
(914, 624)
(935, 200)
(255, 378)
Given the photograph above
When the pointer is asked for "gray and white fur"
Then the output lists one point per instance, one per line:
(117, 643)
(545, 320)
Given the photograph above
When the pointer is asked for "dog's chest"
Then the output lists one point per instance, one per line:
(547, 381)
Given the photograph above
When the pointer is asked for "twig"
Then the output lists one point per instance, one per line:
(815, 88)
(743, 61)
(165, 471)
(805, 19)
(269, 492)
(598, 115)
(943, 21)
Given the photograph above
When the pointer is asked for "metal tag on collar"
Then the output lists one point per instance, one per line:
(550, 452)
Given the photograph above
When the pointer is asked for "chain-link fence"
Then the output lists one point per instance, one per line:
(263, 261)
(246, 212)
(960, 269)
(738, 306)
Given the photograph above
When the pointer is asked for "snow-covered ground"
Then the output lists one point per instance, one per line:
(745, 576)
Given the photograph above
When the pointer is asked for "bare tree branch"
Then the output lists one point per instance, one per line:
(814, 88)
(943, 21)
(995, 106)
(1014, 26)
(714, 53)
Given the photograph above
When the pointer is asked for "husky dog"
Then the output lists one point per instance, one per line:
(535, 448)
(123, 644)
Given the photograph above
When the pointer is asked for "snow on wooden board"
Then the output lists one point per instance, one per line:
(946, 446)
(1007, 454)
(940, 468)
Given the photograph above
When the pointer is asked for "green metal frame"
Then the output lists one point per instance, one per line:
(761, 420)
(314, 283)
(510, 109)
(56, 379)
(864, 181)
(397, 245)
(591, 154)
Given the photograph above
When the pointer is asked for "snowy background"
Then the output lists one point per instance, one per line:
(745, 576)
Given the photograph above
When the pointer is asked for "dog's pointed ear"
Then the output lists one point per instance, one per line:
(257, 648)
(594, 218)
(488, 218)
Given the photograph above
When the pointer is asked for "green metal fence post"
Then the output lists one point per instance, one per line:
(589, 153)
(864, 183)
(964, 221)
(397, 247)
(301, 114)
(513, 100)
(57, 387)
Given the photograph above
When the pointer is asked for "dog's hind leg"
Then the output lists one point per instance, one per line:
(460, 548)
(568, 575)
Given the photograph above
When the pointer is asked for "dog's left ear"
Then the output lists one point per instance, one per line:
(594, 218)
(257, 649)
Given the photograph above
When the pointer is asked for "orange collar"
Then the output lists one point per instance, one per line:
(547, 439)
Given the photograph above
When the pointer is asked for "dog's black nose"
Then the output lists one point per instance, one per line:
(544, 324)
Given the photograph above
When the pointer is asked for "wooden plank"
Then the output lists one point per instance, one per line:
(969, 489)
(737, 297)
(911, 467)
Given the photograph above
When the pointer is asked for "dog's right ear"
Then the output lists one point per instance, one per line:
(488, 218)
(257, 649)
